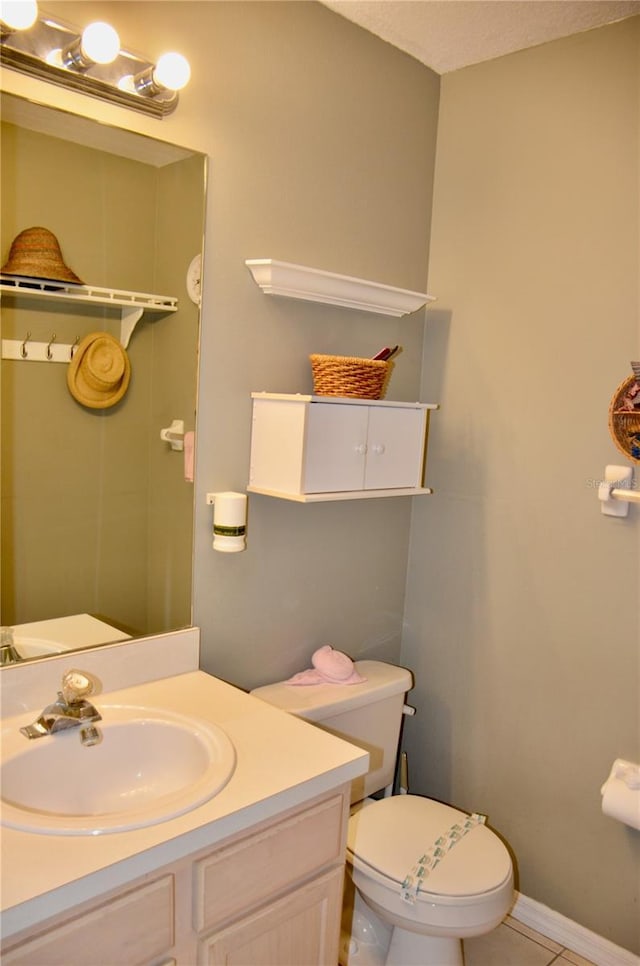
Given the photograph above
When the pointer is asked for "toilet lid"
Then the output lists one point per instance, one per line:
(391, 834)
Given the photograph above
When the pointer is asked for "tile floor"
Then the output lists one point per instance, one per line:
(514, 944)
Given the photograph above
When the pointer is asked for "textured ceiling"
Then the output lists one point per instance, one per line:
(449, 34)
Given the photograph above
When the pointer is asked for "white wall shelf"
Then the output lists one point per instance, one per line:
(315, 285)
(130, 306)
(341, 494)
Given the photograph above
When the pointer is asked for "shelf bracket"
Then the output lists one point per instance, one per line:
(130, 318)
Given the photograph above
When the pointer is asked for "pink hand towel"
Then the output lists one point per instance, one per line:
(189, 455)
(329, 667)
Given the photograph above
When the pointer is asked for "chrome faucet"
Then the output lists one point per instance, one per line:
(8, 653)
(71, 710)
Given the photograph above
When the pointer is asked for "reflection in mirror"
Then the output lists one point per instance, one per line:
(97, 509)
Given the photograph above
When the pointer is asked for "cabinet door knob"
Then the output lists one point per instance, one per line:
(361, 449)
(378, 448)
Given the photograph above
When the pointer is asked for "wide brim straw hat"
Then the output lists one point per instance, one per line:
(98, 375)
(36, 253)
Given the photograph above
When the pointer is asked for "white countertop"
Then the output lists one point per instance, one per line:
(281, 762)
(63, 634)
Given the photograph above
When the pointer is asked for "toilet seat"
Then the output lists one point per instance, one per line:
(387, 837)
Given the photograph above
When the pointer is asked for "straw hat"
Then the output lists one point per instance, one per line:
(99, 373)
(36, 253)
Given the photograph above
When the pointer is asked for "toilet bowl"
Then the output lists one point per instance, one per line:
(468, 891)
(467, 894)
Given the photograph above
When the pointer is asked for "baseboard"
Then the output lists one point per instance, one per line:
(595, 948)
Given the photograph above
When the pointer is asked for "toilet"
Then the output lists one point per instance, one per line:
(469, 889)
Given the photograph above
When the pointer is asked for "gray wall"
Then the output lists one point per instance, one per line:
(322, 144)
(323, 155)
(521, 621)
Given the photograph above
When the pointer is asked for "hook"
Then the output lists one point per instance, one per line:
(23, 347)
(74, 347)
(51, 341)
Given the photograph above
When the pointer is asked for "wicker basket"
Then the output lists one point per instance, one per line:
(350, 376)
(623, 425)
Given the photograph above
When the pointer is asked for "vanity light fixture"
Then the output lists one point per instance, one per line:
(89, 61)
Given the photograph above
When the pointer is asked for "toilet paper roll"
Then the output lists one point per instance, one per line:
(621, 793)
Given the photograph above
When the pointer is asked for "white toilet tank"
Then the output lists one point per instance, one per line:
(368, 715)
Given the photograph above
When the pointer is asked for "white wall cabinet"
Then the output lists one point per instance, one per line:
(272, 895)
(315, 448)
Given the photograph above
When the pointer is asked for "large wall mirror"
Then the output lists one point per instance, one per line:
(97, 509)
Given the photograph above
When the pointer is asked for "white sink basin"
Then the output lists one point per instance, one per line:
(36, 646)
(150, 766)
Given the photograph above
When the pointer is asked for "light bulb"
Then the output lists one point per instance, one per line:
(54, 57)
(18, 14)
(100, 43)
(127, 84)
(172, 71)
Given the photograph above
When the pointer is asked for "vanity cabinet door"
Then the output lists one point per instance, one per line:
(274, 898)
(301, 929)
(137, 927)
(286, 853)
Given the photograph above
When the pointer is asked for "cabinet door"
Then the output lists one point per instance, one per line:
(137, 927)
(302, 929)
(395, 448)
(226, 882)
(336, 447)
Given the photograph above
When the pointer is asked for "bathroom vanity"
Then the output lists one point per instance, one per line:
(253, 875)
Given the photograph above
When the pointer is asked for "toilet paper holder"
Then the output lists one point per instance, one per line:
(616, 491)
(174, 435)
(621, 793)
(627, 771)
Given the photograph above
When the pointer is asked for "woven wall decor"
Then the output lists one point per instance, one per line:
(624, 415)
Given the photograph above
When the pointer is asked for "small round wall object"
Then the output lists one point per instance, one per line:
(624, 420)
(194, 279)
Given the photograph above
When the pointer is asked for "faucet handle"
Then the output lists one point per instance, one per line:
(76, 686)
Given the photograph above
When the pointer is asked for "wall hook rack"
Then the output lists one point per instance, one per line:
(24, 350)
